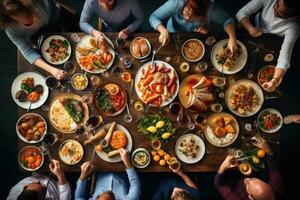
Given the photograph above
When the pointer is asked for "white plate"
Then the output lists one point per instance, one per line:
(238, 65)
(209, 132)
(138, 77)
(200, 154)
(84, 42)
(46, 45)
(116, 158)
(38, 80)
(67, 159)
(257, 90)
(140, 150)
(148, 43)
(21, 136)
(272, 110)
(201, 43)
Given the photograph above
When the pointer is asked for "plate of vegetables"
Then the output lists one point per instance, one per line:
(30, 158)
(56, 49)
(156, 127)
(94, 57)
(110, 99)
(29, 89)
(269, 120)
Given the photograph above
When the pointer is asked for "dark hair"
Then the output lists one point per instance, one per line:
(182, 195)
(293, 5)
(199, 7)
(13, 7)
(110, 193)
(28, 195)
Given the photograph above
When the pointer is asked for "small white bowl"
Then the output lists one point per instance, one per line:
(140, 150)
(79, 74)
(149, 45)
(272, 110)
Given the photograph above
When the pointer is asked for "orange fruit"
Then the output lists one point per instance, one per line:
(261, 153)
(156, 158)
(153, 152)
(167, 157)
(162, 162)
(161, 152)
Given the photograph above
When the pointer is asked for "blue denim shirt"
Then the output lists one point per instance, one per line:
(123, 188)
(217, 18)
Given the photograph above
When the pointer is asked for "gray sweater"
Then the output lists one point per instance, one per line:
(48, 13)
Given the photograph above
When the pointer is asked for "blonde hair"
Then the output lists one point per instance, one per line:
(13, 7)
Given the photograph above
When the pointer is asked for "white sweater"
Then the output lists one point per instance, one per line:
(269, 23)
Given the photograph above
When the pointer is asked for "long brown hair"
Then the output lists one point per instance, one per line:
(199, 8)
(13, 7)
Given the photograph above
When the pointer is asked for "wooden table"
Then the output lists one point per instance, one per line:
(211, 161)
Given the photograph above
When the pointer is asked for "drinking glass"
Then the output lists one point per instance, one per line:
(210, 40)
(126, 61)
(95, 80)
(199, 119)
(120, 42)
(75, 37)
(216, 107)
(201, 66)
(69, 67)
(175, 108)
(87, 98)
(184, 119)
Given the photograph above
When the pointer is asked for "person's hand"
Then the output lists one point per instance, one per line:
(270, 86)
(202, 30)
(262, 144)
(178, 171)
(86, 170)
(227, 164)
(124, 33)
(297, 119)
(125, 157)
(232, 45)
(255, 32)
(98, 36)
(164, 37)
(58, 73)
(55, 168)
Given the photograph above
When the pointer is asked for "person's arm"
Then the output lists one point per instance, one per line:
(32, 56)
(63, 186)
(163, 12)
(86, 17)
(244, 13)
(138, 14)
(186, 179)
(86, 169)
(223, 189)
(283, 62)
(134, 191)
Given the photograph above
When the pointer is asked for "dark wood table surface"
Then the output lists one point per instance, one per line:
(211, 161)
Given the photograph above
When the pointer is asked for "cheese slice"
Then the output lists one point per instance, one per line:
(61, 118)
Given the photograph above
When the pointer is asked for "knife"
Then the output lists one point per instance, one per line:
(259, 46)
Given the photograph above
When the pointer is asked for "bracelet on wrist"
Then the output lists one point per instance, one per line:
(276, 79)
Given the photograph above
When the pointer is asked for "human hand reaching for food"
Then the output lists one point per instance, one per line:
(227, 164)
(270, 86)
(55, 168)
(203, 30)
(255, 32)
(232, 45)
(58, 73)
(98, 36)
(164, 36)
(125, 158)
(86, 170)
(124, 33)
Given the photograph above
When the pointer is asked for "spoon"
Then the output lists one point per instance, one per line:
(128, 116)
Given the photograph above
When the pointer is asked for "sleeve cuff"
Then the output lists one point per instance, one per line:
(229, 20)
(282, 65)
(240, 15)
(131, 172)
(63, 188)
(32, 58)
